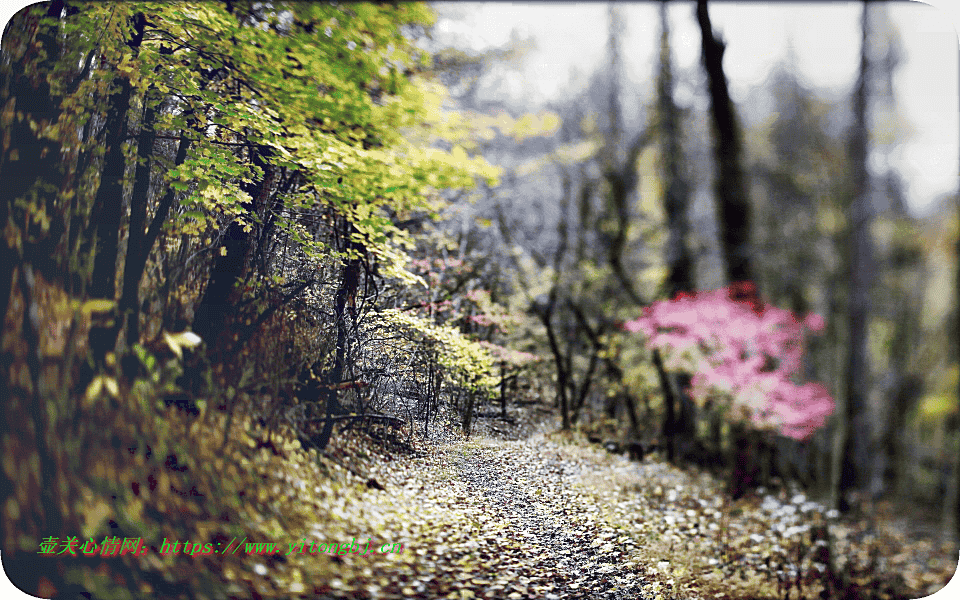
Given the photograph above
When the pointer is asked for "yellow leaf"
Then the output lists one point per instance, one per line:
(111, 385)
(94, 389)
(186, 339)
(98, 305)
(174, 346)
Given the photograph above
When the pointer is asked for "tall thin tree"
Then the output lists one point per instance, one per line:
(951, 508)
(680, 423)
(734, 220)
(733, 204)
(854, 434)
(108, 205)
(681, 276)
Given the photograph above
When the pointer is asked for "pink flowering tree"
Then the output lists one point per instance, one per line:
(746, 357)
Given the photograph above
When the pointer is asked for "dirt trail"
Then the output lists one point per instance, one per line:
(540, 518)
(556, 543)
(483, 518)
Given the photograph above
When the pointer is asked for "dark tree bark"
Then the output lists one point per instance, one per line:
(578, 394)
(546, 316)
(679, 425)
(622, 181)
(856, 430)
(31, 172)
(733, 211)
(26, 416)
(951, 505)
(619, 164)
(215, 319)
(681, 276)
(612, 368)
(136, 258)
(212, 320)
(503, 389)
(467, 422)
(346, 295)
(670, 402)
(733, 216)
(108, 205)
(141, 245)
(545, 307)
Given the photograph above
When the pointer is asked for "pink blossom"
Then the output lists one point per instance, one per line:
(482, 320)
(514, 357)
(740, 349)
(814, 322)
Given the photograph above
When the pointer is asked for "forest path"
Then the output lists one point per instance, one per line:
(544, 517)
(483, 518)
(551, 542)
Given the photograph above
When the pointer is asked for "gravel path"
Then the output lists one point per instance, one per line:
(485, 518)
(541, 518)
(532, 500)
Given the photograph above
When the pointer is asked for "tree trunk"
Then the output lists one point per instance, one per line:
(30, 165)
(468, 414)
(631, 404)
(621, 176)
(503, 389)
(951, 505)
(31, 171)
(562, 375)
(681, 276)
(133, 271)
(679, 258)
(856, 434)
(733, 217)
(136, 258)
(346, 295)
(108, 205)
(746, 466)
(670, 404)
(545, 307)
(213, 315)
(731, 189)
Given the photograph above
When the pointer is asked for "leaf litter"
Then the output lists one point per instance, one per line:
(543, 516)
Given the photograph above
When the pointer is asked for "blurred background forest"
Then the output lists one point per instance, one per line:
(289, 221)
(620, 208)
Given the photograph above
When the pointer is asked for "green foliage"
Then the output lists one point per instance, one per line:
(465, 361)
(327, 106)
(328, 92)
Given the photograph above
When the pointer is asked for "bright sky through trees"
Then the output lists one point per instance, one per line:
(824, 37)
